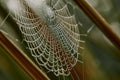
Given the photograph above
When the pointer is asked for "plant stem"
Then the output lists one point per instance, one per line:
(22, 59)
(101, 23)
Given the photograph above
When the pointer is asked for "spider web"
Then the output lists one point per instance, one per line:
(54, 43)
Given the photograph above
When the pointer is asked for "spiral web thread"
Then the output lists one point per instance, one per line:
(55, 47)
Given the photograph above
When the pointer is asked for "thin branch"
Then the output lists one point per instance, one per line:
(22, 59)
(99, 21)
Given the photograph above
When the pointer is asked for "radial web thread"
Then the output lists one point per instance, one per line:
(54, 44)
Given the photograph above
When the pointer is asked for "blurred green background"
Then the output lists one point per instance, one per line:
(103, 61)
(9, 69)
(101, 58)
